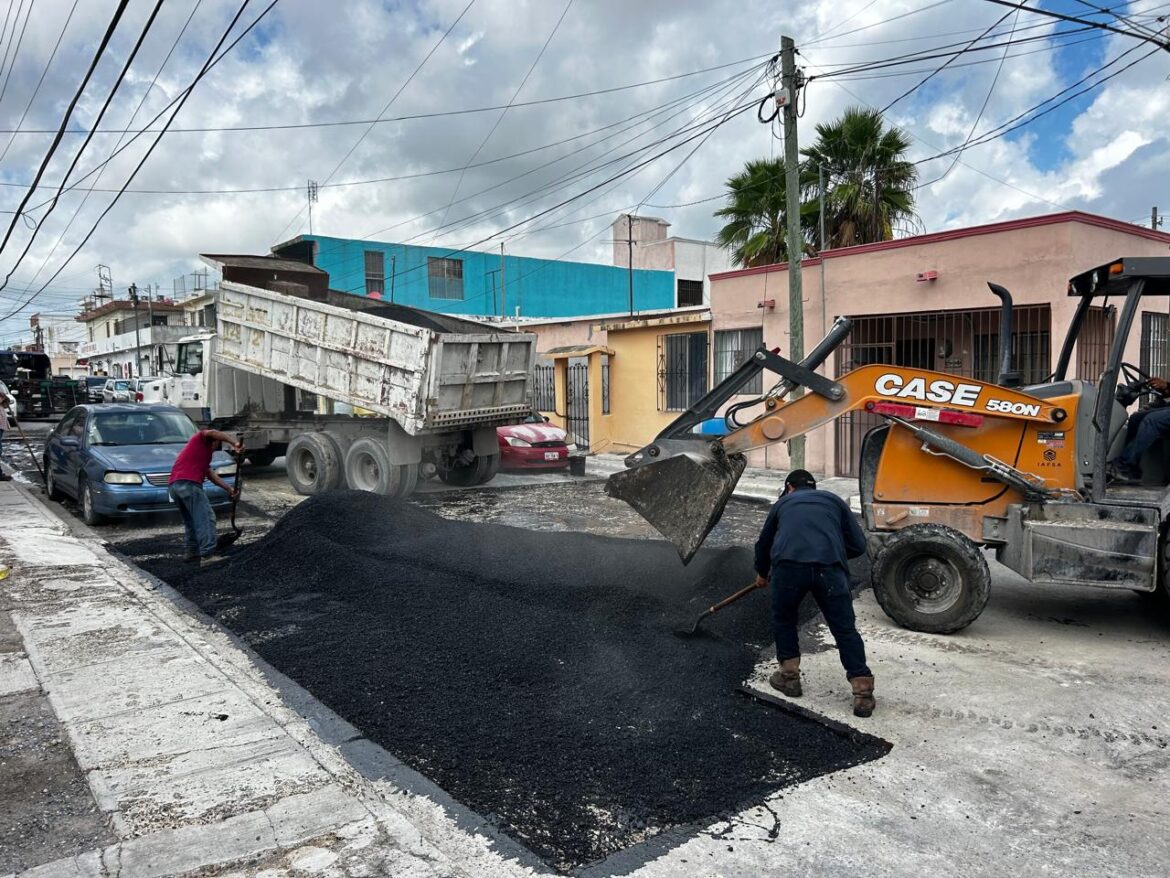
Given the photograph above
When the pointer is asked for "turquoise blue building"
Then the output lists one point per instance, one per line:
(475, 283)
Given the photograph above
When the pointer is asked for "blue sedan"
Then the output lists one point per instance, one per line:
(115, 459)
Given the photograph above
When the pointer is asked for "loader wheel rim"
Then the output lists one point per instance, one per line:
(933, 584)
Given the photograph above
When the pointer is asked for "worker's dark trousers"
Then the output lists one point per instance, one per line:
(830, 589)
(1144, 429)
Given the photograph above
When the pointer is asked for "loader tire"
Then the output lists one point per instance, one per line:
(313, 463)
(931, 578)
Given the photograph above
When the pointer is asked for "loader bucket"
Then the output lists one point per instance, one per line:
(680, 487)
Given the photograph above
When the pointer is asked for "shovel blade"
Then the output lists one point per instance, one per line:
(681, 488)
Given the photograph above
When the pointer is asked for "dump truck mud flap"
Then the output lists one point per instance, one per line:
(680, 486)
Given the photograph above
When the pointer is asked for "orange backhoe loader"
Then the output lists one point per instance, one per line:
(957, 466)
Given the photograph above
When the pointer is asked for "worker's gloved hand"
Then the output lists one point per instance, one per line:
(761, 582)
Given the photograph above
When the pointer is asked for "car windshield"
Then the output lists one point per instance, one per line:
(139, 428)
(121, 385)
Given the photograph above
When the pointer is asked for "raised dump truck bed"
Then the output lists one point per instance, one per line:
(429, 372)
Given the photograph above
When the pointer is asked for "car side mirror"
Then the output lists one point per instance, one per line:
(71, 441)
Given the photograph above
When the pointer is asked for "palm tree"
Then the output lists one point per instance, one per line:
(869, 183)
(755, 227)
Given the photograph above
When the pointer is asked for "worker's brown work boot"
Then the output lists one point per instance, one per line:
(787, 679)
(863, 700)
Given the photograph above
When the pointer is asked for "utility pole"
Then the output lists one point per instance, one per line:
(137, 342)
(821, 253)
(503, 284)
(311, 191)
(630, 256)
(791, 80)
(1155, 220)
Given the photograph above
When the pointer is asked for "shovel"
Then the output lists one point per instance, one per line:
(225, 540)
(715, 608)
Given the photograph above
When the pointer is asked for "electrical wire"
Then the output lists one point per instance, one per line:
(16, 51)
(77, 156)
(884, 22)
(141, 102)
(208, 64)
(105, 41)
(44, 72)
(1037, 11)
(504, 112)
(387, 106)
(438, 114)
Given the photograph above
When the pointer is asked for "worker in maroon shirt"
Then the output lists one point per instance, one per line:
(191, 468)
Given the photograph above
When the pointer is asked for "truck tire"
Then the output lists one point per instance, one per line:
(368, 468)
(491, 468)
(313, 462)
(478, 472)
(928, 577)
(407, 479)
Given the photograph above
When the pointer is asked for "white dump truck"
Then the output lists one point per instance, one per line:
(354, 392)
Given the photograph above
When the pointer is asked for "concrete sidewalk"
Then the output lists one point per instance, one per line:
(191, 754)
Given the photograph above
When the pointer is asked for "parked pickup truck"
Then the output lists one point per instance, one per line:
(355, 392)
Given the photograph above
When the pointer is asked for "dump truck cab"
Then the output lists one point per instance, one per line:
(959, 466)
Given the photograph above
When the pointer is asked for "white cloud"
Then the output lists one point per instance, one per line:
(1107, 157)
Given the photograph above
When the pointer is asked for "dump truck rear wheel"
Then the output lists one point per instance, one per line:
(368, 468)
(313, 463)
(931, 578)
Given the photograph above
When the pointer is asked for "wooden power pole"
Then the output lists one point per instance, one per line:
(791, 81)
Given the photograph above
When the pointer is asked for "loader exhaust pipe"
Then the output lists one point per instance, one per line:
(681, 482)
(1008, 376)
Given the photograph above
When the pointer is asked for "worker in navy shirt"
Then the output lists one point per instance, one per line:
(805, 546)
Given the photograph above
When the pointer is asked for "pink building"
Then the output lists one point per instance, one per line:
(923, 302)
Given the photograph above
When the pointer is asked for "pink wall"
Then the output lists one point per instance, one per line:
(1033, 259)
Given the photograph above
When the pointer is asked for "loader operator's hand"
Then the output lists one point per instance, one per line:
(1160, 386)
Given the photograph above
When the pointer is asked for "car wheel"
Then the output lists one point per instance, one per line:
(51, 489)
(88, 514)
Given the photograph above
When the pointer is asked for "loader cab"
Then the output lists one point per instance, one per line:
(1103, 412)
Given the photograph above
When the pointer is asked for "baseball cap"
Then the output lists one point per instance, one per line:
(800, 478)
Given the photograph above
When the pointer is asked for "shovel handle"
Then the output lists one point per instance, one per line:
(733, 598)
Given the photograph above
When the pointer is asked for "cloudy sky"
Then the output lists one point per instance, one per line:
(295, 99)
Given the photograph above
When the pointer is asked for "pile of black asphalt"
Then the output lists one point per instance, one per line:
(534, 676)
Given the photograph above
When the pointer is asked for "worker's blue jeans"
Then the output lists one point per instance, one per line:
(1151, 426)
(830, 589)
(198, 519)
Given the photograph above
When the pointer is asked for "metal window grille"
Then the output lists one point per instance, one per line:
(690, 292)
(577, 404)
(445, 278)
(375, 272)
(682, 370)
(544, 397)
(732, 348)
(1094, 341)
(1155, 353)
(963, 343)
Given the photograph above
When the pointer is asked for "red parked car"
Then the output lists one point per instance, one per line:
(534, 444)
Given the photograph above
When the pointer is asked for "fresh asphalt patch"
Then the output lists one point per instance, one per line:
(534, 676)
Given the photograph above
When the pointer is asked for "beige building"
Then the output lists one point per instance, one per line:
(645, 239)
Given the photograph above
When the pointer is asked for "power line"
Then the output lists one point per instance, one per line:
(389, 103)
(77, 156)
(1125, 33)
(40, 81)
(946, 63)
(889, 20)
(438, 114)
(504, 112)
(16, 51)
(65, 119)
(141, 102)
(212, 59)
